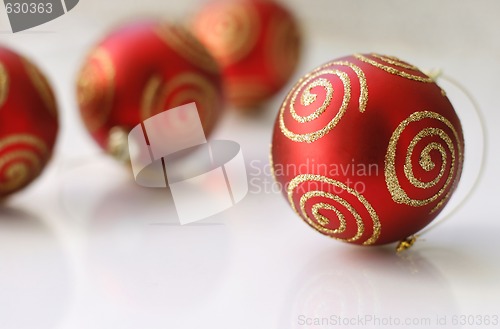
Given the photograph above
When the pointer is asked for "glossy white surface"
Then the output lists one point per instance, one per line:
(85, 247)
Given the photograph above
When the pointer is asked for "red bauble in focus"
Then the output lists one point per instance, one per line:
(140, 70)
(28, 122)
(257, 44)
(368, 148)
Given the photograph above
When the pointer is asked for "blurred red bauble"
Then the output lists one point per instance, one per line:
(140, 70)
(368, 148)
(257, 44)
(28, 122)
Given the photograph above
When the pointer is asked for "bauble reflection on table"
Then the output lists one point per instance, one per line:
(368, 149)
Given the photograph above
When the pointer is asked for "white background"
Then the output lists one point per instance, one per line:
(84, 247)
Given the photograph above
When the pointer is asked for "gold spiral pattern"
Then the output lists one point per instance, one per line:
(42, 86)
(4, 84)
(187, 46)
(96, 88)
(395, 61)
(363, 94)
(395, 66)
(308, 98)
(340, 206)
(230, 30)
(182, 89)
(22, 158)
(150, 103)
(449, 145)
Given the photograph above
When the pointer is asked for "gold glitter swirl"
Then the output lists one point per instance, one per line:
(42, 86)
(182, 89)
(425, 157)
(323, 221)
(304, 85)
(230, 30)
(312, 80)
(320, 222)
(150, 103)
(453, 146)
(441, 203)
(363, 95)
(20, 166)
(96, 88)
(271, 162)
(395, 61)
(4, 84)
(25, 139)
(187, 46)
(419, 76)
(308, 98)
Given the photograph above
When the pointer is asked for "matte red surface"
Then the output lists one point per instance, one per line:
(363, 139)
(270, 50)
(138, 54)
(28, 114)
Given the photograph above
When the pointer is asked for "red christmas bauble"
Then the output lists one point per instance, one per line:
(257, 44)
(142, 69)
(28, 122)
(368, 148)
